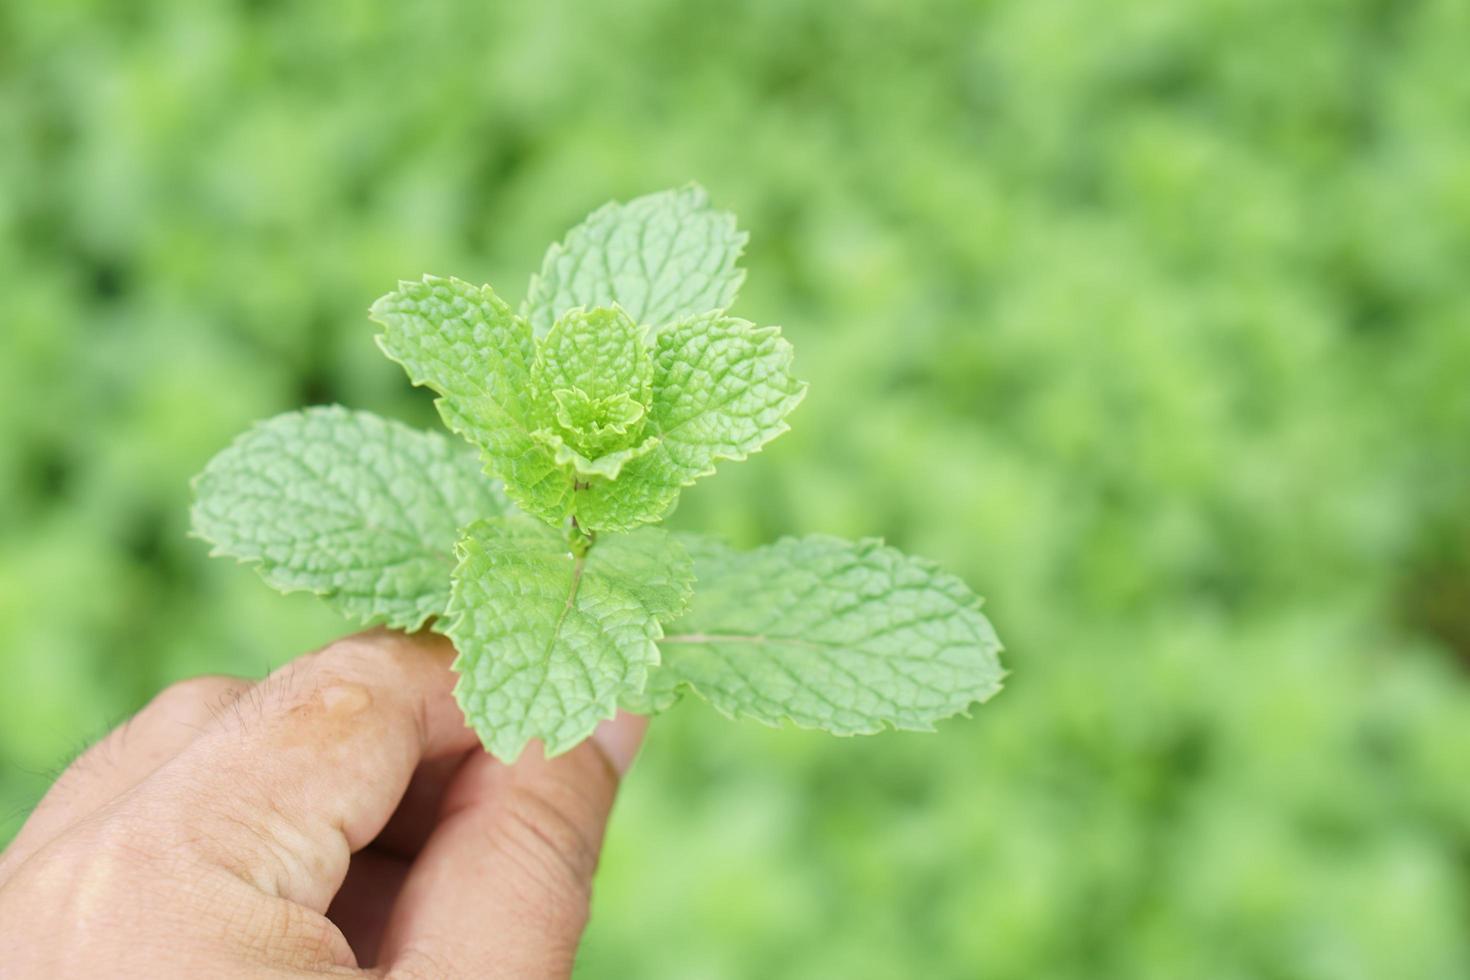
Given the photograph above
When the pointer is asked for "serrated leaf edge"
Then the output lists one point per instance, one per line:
(257, 564)
(683, 688)
(602, 711)
(558, 248)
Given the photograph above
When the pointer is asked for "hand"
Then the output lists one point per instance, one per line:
(335, 819)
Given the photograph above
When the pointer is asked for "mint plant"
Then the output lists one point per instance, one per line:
(621, 380)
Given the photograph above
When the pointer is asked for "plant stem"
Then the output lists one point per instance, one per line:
(578, 540)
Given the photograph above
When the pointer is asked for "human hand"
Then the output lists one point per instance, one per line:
(335, 819)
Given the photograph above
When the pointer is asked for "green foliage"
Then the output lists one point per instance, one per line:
(660, 257)
(1145, 319)
(560, 417)
(465, 343)
(848, 638)
(598, 375)
(548, 640)
(589, 428)
(362, 511)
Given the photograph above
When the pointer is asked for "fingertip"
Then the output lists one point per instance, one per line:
(424, 642)
(513, 838)
(620, 738)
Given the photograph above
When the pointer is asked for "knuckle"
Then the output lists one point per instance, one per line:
(139, 870)
(551, 833)
(290, 933)
(259, 844)
(121, 842)
(91, 871)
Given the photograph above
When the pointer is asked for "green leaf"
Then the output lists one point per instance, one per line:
(846, 637)
(642, 493)
(353, 507)
(549, 641)
(464, 342)
(660, 257)
(610, 416)
(593, 382)
(600, 352)
(599, 464)
(598, 425)
(722, 388)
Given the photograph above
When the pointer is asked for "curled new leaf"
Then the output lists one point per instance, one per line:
(722, 388)
(592, 386)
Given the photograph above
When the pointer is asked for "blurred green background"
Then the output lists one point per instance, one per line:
(1150, 319)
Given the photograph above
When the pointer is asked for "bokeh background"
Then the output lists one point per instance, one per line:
(1150, 319)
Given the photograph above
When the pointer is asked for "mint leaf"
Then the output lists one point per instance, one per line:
(592, 381)
(846, 637)
(660, 257)
(464, 342)
(549, 641)
(722, 388)
(643, 492)
(353, 507)
(588, 463)
(600, 352)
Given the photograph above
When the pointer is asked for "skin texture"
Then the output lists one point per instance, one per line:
(335, 819)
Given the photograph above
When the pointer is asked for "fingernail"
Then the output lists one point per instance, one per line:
(619, 739)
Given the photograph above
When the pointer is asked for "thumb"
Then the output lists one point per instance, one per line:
(502, 885)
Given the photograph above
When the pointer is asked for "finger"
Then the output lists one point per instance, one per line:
(502, 885)
(362, 906)
(418, 811)
(125, 757)
(313, 765)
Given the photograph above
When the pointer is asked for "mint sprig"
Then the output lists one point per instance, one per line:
(620, 382)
